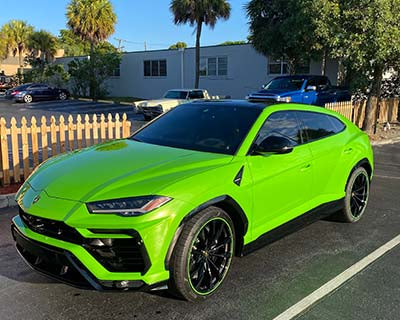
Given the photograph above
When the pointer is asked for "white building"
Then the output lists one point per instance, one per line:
(233, 70)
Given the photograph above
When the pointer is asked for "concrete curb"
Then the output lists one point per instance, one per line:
(7, 200)
(386, 141)
(106, 101)
(85, 99)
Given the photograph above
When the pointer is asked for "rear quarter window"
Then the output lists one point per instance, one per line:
(318, 125)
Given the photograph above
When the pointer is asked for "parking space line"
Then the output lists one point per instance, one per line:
(386, 177)
(336, 282)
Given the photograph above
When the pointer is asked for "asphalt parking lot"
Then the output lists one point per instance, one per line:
(9, 109)
(261, 285)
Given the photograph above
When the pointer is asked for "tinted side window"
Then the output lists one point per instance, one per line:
(317, 125)
(321, 83)
(196, 94)
(281, 124)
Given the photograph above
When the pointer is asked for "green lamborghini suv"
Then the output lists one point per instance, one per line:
(174, 203)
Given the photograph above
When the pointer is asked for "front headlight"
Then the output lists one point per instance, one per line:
(284, 99)
(128, 207)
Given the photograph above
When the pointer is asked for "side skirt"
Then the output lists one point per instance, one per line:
(296, 224)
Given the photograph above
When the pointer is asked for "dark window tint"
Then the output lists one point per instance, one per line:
(22, 87)
(321, 83)
(281, 124)
(198, 94)
(317, 125)
(286, 83)
(209, 128)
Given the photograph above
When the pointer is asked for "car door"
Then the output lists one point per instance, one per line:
(37, 91)
(47, 92)
(322, 133)
(310, 95)
(282, 183)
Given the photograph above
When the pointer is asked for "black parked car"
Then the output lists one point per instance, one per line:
(36, 91)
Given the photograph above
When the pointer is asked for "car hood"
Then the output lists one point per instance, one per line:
(274, 92)
(154, 103)
(122, 168)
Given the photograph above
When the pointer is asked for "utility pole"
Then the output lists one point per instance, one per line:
(145, 46)
(119, 43)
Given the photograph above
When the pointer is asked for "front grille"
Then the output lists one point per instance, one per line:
(52, 228)
(260, 98)
(119, 255)
(116, 255)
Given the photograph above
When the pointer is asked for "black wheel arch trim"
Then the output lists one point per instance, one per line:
(221, 202)
(361, 163)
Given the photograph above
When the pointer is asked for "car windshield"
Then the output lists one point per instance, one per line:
(175, 94)
(22, 87)
(209, 127)
(284, 84)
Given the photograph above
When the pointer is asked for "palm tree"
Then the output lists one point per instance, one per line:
(197, 12)
(92, 21)
(3, 44)
(43, 43)
(17, 35)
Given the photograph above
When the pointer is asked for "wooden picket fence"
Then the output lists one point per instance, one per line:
(355, 111)
(23, 147)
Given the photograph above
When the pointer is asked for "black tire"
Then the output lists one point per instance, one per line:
(210, 259)
(356, 198)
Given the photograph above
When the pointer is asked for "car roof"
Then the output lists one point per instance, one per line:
(230, 103)
(300, 76)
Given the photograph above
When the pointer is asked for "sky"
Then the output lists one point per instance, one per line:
(138, 21)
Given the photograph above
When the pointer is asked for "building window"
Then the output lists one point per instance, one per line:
(277, 67)
(155, 68)
(116, 72)
(280, 67)
(214, 66)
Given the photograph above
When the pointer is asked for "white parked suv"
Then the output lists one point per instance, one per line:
(171, 99)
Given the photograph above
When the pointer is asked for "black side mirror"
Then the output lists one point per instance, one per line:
(274, 144)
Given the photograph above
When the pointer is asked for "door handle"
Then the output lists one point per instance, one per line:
(349, 150)
(306, 167)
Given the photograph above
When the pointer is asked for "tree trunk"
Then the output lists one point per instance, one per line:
(91, 76)
(372, 101)
(198, 34)
(324, 58)
(340, 73)
(20, 58)
(291, 63)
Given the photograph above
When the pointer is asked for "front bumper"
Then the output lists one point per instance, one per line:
(150, 111)
(68, 259)
(62, 265)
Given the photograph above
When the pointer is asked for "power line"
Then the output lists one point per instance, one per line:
(144, 43)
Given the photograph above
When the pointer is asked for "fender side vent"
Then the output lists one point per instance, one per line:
(238, 177)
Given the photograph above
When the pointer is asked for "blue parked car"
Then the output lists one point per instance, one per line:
(308, 89)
